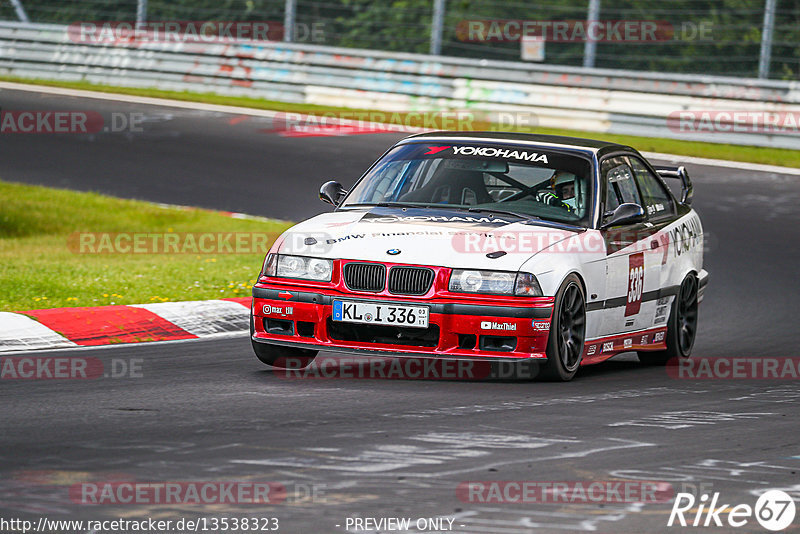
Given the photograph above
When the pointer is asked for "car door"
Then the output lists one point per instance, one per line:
(633, 263)
(661, 210)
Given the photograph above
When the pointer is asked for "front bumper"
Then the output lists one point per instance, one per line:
(458, 329)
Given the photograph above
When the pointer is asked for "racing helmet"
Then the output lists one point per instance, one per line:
(565, 186)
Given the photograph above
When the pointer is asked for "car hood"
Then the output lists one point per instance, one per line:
(449, 238)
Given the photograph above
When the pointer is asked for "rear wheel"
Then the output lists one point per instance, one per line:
(681, 327)
(567, 332)
(282, 357)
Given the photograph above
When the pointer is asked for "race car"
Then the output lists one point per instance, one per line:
(490, 246)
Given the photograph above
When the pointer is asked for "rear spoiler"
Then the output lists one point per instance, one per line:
(682, 174)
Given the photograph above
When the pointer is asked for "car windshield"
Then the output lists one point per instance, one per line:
(528, 181)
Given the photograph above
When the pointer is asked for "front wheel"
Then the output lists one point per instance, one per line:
(681, 327)
(567, 332)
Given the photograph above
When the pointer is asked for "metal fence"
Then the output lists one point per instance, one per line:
(751, 38)
(598, 100)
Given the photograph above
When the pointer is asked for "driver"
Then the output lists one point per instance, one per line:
(561, 192)
(565, 189)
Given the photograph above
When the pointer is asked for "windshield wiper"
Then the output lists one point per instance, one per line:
(384, 205)
(504, 212)
(442, 206)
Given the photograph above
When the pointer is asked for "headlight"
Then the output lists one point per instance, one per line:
(299, 267)
(319, 269)
(494, 283)
(291, 266)
(501, 282)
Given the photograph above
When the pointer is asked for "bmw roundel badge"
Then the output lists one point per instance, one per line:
(393, 251)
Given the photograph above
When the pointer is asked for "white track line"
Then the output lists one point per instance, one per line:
(99, 95)
(758, 167)
(236, 110)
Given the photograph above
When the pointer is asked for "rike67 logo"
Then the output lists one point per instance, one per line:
(774, 510)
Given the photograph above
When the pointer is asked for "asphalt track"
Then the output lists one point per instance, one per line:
(208, 410)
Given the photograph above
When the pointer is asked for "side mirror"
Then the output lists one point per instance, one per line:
(332, 192)
(627, 213)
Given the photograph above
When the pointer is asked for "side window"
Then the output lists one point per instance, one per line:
(620, 184)
(612, 200)
(657, 200)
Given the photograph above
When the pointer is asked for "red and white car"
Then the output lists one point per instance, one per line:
(490, 246)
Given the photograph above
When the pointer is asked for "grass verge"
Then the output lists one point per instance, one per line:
(42, 265)
(770, 156)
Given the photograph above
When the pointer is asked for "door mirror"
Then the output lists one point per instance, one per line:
(332, 192)
(627, 213)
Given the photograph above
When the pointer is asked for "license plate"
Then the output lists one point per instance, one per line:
(380, 313)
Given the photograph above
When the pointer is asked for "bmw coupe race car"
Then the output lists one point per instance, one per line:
(486, 245)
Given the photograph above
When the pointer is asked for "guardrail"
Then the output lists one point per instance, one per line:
(612, 101)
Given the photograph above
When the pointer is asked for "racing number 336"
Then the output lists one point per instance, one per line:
(635, 283)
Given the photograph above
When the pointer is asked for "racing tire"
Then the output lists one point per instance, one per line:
(281, 357)
(567, 332)
(681, 327)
